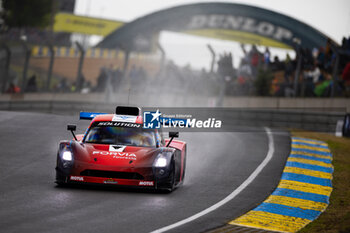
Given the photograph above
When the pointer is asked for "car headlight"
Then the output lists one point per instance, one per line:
(67, 156)
(160, 161)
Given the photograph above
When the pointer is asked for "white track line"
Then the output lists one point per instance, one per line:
(233, 194)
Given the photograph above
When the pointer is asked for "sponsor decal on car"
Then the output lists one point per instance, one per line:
(116, 155)
(77, 178)
(118, 124)
(110, 181)
(146, 183)
(117, 148)
(124, 118)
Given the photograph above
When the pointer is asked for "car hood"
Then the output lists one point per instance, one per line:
(116, 155)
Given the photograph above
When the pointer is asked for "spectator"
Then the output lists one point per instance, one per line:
(31, 85)
(62, 86)
(288, 69)
(320, 59)
(346, 74)
(267, 56)
(323, 88)
(311, 77)
(13, 89)
(277, 64)
(101, 80)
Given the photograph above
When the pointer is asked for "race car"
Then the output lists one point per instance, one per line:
(117, 150)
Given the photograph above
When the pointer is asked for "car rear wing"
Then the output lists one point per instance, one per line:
(120, 110)
(90, 115)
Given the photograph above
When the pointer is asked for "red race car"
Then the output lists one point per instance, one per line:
(117, 150)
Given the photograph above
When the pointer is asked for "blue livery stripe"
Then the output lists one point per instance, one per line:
(310, 157)
(301, 195)
(296, 150)
(306, 179)
(288, 211)
(89, 115)
(309, 144)
(309, 166)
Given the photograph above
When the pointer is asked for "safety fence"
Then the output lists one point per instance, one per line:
(46, 68)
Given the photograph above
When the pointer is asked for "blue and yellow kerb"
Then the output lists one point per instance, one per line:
(302, 194)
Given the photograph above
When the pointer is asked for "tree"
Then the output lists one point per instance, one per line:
(27, 13)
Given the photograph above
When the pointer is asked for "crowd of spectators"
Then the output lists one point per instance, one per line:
(259, 71)
(171, 78)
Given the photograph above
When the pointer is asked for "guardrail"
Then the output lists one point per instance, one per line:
(322, 104)
(273, 112)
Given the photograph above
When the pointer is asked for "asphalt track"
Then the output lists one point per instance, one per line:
(217, 164)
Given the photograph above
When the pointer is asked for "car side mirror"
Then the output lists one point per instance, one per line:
(173, 134)
(71, 127)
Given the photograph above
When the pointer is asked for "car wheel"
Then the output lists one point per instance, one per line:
(60, 179)
(172, 179)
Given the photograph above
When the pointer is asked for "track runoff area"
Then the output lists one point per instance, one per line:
(302, 194)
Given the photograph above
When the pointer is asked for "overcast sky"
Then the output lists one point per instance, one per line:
(332, 17)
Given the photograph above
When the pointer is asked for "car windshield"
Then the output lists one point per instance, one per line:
(121, 136)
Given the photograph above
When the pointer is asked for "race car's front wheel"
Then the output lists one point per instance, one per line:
(172, 180)
(168, 185)
(61, 179)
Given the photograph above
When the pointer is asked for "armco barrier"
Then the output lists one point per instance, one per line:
(323, 104)
(299, 119)
(244, 111)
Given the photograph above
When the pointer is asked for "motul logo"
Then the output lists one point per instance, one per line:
(121, 154)
(146, 183)
(77, 178)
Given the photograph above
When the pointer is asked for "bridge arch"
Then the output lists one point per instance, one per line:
(229, 21)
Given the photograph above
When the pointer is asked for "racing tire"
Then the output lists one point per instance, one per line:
(60, 179)
(171, 185)
(172, 179)
(60, 184)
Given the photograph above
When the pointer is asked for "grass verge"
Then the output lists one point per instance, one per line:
(336, 218)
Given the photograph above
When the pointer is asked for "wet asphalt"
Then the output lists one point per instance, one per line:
(217, 163)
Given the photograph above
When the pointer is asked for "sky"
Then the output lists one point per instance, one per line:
(332, 17)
